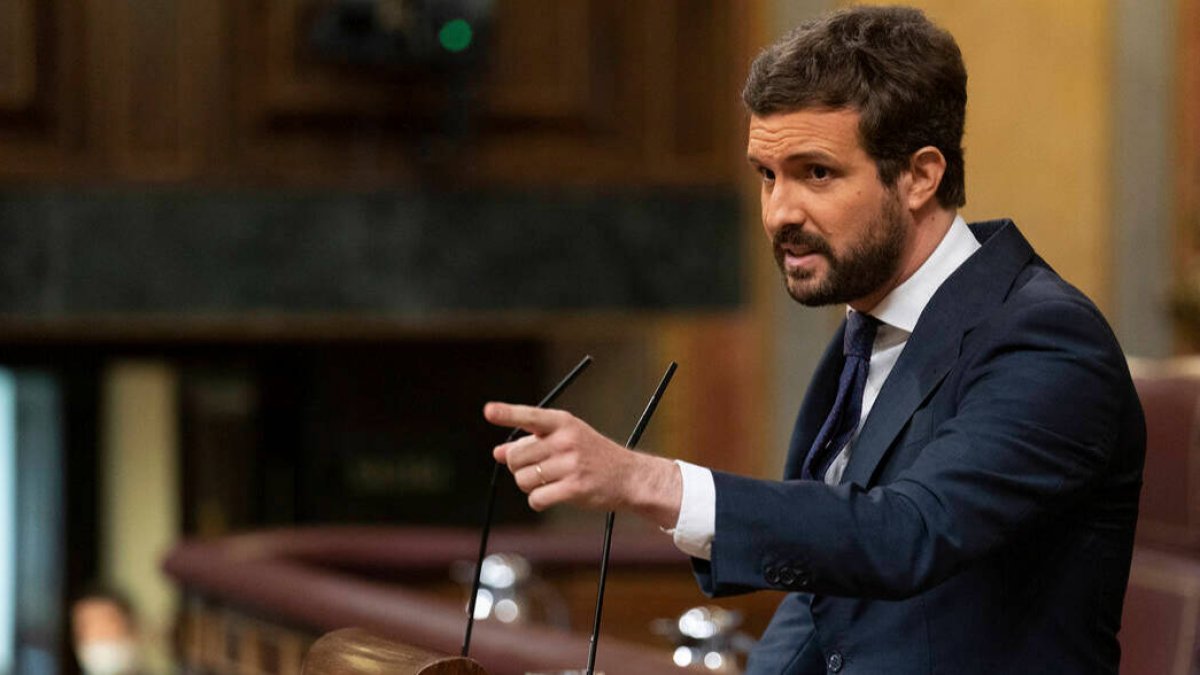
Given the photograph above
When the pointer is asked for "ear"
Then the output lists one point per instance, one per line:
(924, 174)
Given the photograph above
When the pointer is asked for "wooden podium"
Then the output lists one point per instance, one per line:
(353, 651)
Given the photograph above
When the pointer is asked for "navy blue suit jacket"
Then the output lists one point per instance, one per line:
(985, 521)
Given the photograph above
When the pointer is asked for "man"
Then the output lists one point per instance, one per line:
(962, 484)
(105, 633)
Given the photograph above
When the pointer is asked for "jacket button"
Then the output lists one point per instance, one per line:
(834, 662)
(787, 576)
(771, 575)
(803, 580)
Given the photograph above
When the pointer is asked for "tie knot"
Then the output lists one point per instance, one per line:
(860, 335)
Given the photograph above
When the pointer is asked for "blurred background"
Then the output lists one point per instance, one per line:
(262, 261)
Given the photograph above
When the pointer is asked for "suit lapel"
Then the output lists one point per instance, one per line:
(921, 367)
(980, 284)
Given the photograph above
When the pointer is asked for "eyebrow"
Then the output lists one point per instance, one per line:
(805, 156)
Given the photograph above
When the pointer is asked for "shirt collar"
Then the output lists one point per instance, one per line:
(903, 306)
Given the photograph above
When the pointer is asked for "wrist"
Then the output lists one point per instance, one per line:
(657, 490)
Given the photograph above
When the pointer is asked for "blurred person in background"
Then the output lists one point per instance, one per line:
(105, 632)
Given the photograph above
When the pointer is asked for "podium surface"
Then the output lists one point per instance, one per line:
(353, 651)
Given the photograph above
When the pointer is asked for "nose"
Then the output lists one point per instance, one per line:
(782, 205)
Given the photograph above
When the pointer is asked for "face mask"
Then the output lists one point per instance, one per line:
(107, 657)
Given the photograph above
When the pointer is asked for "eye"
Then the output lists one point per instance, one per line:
(818, 172)
(768, 175)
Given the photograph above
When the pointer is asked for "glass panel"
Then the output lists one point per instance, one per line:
(32, 414)
(8, 522)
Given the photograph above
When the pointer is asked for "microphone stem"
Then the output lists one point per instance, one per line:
(491, 503)
(612, 517)
(608, 530)
(483, 542)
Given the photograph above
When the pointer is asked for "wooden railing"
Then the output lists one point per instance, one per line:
(256, 602)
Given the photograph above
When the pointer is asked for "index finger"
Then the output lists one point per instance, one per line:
(537, 421)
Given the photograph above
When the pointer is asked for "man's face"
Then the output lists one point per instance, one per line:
(838, 233)
(99, 619)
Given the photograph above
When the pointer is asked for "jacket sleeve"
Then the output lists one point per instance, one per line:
(1039, 402)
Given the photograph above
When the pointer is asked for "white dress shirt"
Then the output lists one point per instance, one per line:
(898, 313)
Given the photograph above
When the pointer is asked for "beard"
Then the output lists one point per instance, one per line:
(869, 264)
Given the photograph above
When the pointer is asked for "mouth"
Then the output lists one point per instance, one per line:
(796, 258)
(800, 253)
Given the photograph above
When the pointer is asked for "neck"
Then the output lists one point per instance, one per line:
(929, 226)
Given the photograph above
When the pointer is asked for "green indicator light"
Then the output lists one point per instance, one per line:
(455, 35)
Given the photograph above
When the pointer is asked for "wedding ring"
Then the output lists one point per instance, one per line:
(541, 476)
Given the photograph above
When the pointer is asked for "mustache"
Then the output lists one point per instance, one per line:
(795, 236)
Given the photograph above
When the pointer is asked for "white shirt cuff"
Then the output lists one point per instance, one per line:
(697, 524)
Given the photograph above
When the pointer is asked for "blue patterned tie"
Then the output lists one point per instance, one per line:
(847, 407)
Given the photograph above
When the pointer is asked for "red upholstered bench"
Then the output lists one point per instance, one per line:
(1170, 506)
(1160, 630)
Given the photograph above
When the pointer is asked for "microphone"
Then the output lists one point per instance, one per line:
(612, 516)
(491, 501)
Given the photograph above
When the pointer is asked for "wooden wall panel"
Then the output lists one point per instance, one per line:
(17, 57)
(546, 72)
(673, 70)
(575, 91)
(1188, 157)
(696, 74)
(41, 89)
(282, 76)
(547, 86)
(538, 68)
(297, 119)
(614, 92)
(157, 99)
(1187, 177)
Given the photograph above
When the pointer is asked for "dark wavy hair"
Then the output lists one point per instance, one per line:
(902, 73)
(100, 591)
